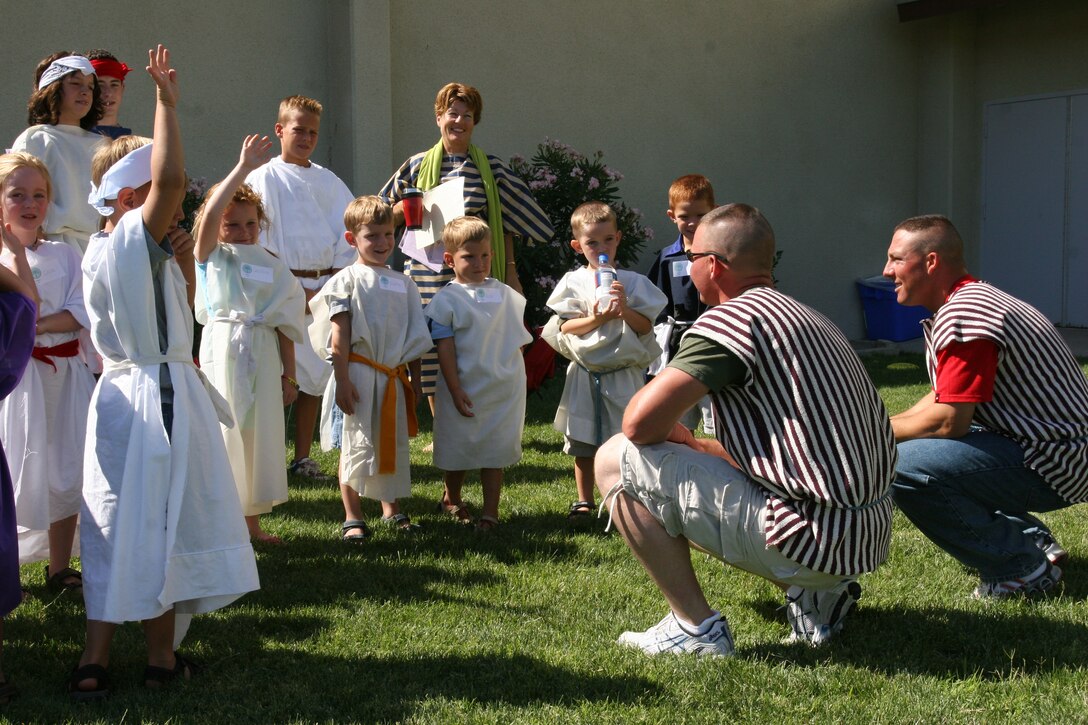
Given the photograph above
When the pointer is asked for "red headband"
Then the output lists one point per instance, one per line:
(111, 68)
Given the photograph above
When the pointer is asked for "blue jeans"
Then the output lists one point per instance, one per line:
(971, 497)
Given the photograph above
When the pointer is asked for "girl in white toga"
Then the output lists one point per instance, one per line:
(252, 307)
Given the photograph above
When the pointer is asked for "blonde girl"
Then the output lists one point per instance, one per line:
(252, 307)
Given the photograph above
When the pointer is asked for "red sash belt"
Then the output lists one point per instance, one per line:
(46, 354)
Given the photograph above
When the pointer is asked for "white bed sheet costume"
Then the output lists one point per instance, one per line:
(486, 320)
(161, 523)
(66, 151)
(388, 327)
(616, 353)
(305, 208)
(43, 422)
(244, 294)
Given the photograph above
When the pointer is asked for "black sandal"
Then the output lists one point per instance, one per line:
(354, 538)
(62, 580)
(94, 672)
(580, 509)
(156, 678)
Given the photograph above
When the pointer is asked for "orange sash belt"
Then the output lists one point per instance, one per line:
(46, 354)
(387, 447)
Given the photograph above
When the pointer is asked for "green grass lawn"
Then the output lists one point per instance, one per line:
(519, 625)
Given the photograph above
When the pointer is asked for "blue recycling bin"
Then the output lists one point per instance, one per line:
(886, 319)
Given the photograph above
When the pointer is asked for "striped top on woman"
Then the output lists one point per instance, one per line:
(809, 427)
(521, 216)
(1040, 397)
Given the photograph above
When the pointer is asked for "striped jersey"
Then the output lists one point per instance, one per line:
(1040, 397)
(521, 215)
(807, 425)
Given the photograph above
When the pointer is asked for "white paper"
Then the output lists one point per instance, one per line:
(441, 204)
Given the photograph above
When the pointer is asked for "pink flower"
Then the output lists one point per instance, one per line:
(593, 183)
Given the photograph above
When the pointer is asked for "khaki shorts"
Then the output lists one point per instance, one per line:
(712, 505)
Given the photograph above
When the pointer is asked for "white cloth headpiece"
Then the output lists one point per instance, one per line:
(131, 172)
(63, 66)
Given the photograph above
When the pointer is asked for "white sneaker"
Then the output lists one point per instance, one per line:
(668, 636)
(1040, 581)
(816, 616)
(1055, 554)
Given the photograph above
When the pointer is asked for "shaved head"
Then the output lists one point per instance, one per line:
(742, 235)
(934, 233)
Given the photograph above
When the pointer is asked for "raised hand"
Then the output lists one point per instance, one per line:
(256, 150)
(165, 77)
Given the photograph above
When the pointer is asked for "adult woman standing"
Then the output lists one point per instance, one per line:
(492, 192)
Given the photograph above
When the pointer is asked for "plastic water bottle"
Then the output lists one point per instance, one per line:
(606, 275)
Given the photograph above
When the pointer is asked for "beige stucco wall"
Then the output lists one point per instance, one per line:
(1008, 51)
(234, 63)
(803, 109)
(830, 115)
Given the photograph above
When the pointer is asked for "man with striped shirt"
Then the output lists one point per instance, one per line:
(1004, 431)
(795, 488)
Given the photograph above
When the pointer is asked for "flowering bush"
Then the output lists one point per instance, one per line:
(194, 197)
(561, 178)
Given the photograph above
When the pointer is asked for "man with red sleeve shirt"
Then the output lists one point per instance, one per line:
(1005, 429)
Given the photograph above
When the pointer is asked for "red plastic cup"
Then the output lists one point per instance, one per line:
(412, 204)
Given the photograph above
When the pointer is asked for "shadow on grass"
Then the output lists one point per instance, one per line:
(1004, 639)
(275, 687)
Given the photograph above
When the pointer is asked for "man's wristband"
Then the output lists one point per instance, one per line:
(292, 381)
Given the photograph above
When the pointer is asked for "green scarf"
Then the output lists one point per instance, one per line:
(430, 172)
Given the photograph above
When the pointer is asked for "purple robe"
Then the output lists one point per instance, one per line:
(17, 317)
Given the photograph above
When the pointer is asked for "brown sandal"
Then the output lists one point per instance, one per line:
(458, 511)
(486, 524)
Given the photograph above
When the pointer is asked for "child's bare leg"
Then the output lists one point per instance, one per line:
(97, 650)
(306, 408)
(491, 481)
(61, 535)
(159, 633)
(390, 509)
(430, 402)
(253, 523)
(353, 508)
(583, 478)
(455, 481)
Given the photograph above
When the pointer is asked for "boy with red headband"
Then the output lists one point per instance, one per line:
(111, 84)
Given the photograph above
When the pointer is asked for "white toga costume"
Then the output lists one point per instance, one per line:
(243, 295)
(486, 320)
(613, 356)
(161, 524)
(387, 327)
(305, 207)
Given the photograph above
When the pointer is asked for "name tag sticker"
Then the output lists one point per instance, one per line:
(257, 273)
(681, 268)
(488, 296)
(392, 284)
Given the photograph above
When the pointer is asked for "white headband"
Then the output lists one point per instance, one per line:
(63, 66)
(131, 172)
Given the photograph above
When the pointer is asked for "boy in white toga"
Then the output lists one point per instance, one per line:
(476, 322)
